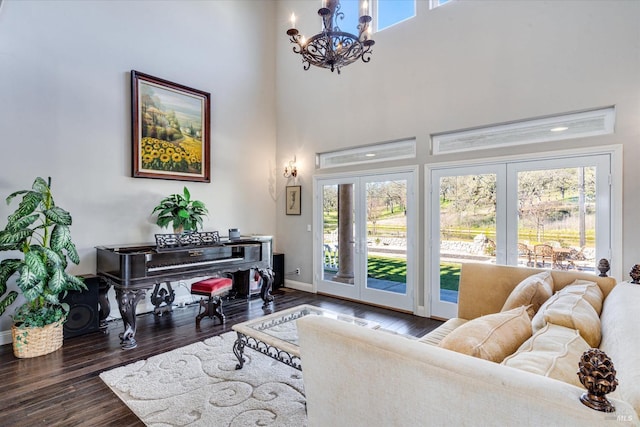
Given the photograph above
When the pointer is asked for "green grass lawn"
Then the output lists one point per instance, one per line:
(395, 269)
(449, 275)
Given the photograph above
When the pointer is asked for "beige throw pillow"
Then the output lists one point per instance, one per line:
(590, 291)
(434, 337)
(534, 291)
(571, 311)
(491, 337)
(554, 351)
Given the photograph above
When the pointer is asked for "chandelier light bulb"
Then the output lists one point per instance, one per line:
(293, 20)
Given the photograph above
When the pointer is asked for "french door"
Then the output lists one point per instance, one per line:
(365, 241)
(548, 213)
(467, 210)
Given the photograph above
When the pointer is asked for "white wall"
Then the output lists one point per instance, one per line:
(65, 110)
(462, 65)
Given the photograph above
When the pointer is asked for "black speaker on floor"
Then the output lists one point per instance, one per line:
(83, 309)
(278, 270)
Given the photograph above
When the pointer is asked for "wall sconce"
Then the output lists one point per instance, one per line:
(290, 169)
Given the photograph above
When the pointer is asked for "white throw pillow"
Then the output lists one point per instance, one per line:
(590, 291)
(571, 311)
(554, 351)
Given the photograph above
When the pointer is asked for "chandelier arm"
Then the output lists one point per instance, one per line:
(366, 54)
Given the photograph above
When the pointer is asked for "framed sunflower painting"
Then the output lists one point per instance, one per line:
(170, 127)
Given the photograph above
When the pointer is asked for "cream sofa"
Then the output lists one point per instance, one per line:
(354, 376)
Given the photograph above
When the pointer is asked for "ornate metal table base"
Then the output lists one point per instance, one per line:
(264, 348)
(276, 335)
(166, 296)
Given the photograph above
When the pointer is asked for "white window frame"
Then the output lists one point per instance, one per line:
(412, 227)
(615, 203)
(558, 127)
(437, 3)
(368, 154)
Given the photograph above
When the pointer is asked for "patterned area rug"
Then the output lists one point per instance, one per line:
(198, 385)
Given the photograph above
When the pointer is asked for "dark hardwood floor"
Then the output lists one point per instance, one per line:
(63, 388)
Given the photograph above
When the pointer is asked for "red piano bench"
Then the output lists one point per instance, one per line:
(212, 288)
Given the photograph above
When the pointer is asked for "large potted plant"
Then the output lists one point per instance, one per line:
(40, 230)
(178, 209)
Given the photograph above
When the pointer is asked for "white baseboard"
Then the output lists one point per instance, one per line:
(5, 337)
(300, 286)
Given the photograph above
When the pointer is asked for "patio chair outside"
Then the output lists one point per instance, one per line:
(543, 253)
(525, 252)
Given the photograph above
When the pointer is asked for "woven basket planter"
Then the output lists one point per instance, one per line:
(34, 341)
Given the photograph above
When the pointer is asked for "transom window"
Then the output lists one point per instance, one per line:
(435, 3)
(386, 13)
(391, 12)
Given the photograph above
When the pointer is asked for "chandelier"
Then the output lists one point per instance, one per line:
(333, 48)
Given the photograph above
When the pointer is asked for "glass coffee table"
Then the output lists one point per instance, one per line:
(276, 335)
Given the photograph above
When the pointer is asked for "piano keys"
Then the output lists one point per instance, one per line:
(134, 269)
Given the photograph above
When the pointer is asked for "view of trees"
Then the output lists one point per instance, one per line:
(468, 202)
(385, 200)
(563, 198)
(556, 204)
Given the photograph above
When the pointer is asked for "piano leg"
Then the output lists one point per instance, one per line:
(266, 274)
(104, 304)
(127, 301)
(159, 296)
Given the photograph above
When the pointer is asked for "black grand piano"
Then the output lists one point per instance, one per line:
(134, 269)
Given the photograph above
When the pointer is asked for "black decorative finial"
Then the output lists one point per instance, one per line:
(635, 274)
(603, 267)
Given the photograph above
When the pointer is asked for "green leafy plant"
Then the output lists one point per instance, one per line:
(40, 230)
(181, 211)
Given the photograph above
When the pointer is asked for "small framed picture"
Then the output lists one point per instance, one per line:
(170, 126)
(293, 200)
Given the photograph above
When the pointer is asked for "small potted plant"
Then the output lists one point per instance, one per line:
(40, 230)
(178, 209)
